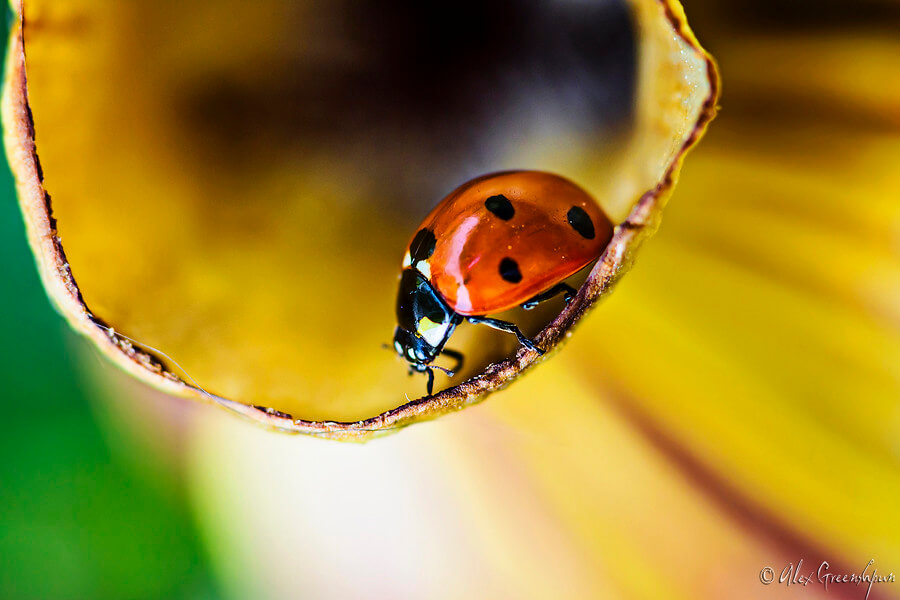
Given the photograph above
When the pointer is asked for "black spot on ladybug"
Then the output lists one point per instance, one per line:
(500, 206)
(581, 222)
(509, 270)
(422, 245)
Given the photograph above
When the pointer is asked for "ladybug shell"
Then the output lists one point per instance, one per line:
(499, 240)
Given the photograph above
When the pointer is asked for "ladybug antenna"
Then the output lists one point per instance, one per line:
(447, 371)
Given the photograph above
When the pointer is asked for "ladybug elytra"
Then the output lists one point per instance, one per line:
(499, 241)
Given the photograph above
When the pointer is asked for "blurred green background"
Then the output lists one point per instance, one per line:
(76, 519)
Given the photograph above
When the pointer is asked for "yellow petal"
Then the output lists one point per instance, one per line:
(760, 332)
(247, 245)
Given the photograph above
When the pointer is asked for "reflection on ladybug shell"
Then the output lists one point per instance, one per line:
(499, 240)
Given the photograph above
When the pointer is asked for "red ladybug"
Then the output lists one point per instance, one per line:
(499, 241)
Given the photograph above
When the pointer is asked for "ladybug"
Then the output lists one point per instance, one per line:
(498, 241)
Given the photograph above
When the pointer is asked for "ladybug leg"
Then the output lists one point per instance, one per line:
(507, 327)
(560, 288)
(430, 387)
(455, 355)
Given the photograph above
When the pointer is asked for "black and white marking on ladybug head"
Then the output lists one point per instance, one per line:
(581, 222)
(500, 206)
(509, 270)
(424, 321)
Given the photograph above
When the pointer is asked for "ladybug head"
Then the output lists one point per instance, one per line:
(424, 321)
(413, 348)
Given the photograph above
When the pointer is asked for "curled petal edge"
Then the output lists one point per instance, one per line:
(145, 364)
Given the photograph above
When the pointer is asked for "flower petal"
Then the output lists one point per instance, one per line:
(226, 215)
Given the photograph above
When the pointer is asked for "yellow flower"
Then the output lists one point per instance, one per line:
(233, 200)
(733, 406)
